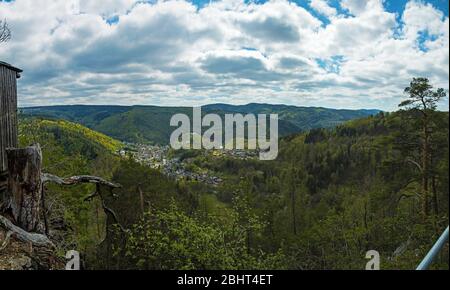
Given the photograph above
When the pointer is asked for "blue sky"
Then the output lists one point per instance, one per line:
(340, 54)
(399, 5)
(396, 6)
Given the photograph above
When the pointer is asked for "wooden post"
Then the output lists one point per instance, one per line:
(23, 197)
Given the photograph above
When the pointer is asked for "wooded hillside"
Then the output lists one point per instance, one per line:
(331, 195)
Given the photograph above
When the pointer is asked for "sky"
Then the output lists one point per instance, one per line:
(328, 53)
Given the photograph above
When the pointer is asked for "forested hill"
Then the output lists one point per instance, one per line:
(72, 137)
(150, 124)
(332, 195)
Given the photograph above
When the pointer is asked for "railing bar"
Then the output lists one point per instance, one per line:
(429, 258)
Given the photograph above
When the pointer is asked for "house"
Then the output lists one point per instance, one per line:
(8, 111)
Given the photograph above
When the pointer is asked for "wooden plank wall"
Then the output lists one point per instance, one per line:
(8, 113)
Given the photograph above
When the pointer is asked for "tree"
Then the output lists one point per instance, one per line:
(5, 32)
(423, 99)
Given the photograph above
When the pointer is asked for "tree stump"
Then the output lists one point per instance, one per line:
(22, 200)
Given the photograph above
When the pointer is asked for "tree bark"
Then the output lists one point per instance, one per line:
(24, 236)
(46, 177)
(294, 215)
(425, 167)
(22, 199)
(435, 198)
(141, 196)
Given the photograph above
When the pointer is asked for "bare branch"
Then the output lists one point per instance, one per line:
(24, 236)
(46, 177)
(86, 179)
(404, 195)
(91, 196)
(113, 214)
(5, 32)
(414, 163)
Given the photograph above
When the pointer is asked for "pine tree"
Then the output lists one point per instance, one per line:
(423, 99)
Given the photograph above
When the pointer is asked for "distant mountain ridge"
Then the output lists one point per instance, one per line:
(151, 124)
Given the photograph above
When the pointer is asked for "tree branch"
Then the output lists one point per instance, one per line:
(24, 236)
(46, 177)
(414, 163)
(86, 179)
(5, 32)
(113, 214)
(404, 195)
(91, 196)
(6, 241)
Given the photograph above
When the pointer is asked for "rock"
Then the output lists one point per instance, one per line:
(20, 263)
(18, 255)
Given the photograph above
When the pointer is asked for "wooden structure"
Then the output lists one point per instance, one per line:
(8, 111)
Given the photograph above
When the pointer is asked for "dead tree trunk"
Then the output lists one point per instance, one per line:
(22, 199)
(141, 197)
(294, 215)
(425, 167)
(435, 197)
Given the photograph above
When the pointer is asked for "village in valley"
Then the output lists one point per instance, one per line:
(165, 159)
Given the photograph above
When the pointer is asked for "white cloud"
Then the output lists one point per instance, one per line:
(322, 7)
(419, 17)
(358, 7)
(172, 52)
(105, 7)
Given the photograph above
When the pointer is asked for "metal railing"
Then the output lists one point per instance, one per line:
(429, 258)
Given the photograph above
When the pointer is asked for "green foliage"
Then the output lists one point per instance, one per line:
(157, 191)
(422, 96)
(169, 239)
(69, 149)
(332, 195)
(73, 137)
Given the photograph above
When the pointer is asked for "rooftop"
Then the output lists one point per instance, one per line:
(10, 67)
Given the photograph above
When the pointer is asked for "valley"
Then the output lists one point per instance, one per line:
(179, 165)
(330, 188)
(225, 135)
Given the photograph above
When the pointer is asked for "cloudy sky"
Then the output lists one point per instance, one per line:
(339, 54)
